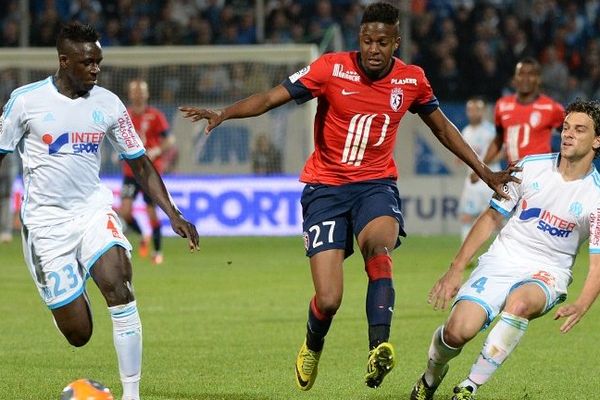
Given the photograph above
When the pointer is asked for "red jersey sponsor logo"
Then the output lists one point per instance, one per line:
(404, 81)
(338, 71)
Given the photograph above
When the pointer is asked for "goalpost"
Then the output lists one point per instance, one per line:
(204, 76)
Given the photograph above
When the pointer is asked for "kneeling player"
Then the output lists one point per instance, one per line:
(528, 267)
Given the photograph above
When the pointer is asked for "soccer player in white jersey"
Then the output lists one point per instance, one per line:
(526, 270)
(479, 133)
(70, 231)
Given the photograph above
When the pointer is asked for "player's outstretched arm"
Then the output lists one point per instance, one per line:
(450, 137)
(251, 106)
(591, 288)
(447, 286)
(153, 185)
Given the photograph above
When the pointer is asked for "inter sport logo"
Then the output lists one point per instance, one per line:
(81, 142)
(548, 222)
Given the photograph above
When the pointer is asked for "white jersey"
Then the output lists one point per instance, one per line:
(59, 141)
(550, 217)
(479, 138)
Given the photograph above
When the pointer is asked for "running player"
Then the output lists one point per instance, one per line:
(528, 267)
(152, 127)
(70, 231)
(351, 176)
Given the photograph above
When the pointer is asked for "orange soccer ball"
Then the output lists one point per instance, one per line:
(86, 389)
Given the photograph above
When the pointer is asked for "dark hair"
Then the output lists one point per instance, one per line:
(531, 61)
(381, 12)
(76, 32)
(589, 107)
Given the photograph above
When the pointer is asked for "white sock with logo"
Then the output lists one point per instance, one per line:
(501, 341)
(127, 335)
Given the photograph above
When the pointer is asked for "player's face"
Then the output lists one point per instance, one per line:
(527, 78)
(475, 110)
(378, 41)
(578, 137)
(81, 65)
(138, 92)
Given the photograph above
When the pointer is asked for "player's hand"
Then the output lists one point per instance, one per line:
(186, 230)
(498, 180)
(573, 313)
(445, 289)
(214, 117)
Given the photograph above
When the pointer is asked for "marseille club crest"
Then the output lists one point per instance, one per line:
(396, 98)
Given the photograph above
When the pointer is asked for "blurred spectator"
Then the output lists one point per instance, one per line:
(266, 158)
(493, 35)
(555, 75)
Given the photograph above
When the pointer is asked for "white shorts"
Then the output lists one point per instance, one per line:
(60, 257)
(475, 197)
(494, 279)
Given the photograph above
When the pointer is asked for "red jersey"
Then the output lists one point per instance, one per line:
(357, 119)
(152, 127)
(527, 128)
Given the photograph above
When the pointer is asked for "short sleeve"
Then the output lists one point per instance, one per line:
(425, 102)
(162, 123)
(595, 230)
(11, 124)
(514, 191)
(122, 134)
(310, 81)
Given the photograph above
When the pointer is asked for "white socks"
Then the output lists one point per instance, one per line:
(439, 355)
(127, 335)
(501, 341)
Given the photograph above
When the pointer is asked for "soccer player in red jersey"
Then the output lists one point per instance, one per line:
(525, 120)
(153, 128)
(351, 175)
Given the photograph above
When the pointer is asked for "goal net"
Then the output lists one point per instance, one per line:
(202, 76)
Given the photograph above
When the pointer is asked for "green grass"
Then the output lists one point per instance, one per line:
(226, 323)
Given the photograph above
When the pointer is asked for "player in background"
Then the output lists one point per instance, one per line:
(70, 231)
(479, 133)
(526, 270)
(351, 175)
(153, 129)
(526, 119)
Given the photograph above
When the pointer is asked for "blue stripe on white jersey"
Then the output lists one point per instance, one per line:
(537, 157)
(596, 177)
(23, 89)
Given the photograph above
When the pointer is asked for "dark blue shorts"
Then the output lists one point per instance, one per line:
(131, 188)
(334, 214)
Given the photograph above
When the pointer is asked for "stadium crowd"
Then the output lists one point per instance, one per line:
(467, 47)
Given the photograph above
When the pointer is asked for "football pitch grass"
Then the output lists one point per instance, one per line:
(227, 322)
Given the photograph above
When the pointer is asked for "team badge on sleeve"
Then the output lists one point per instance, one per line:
(396, 98)
(299, 74)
